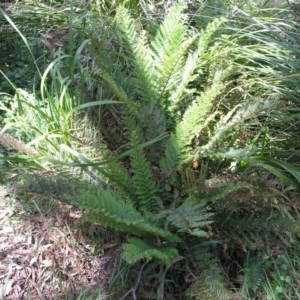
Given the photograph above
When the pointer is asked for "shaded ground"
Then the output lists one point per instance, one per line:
(46, 252)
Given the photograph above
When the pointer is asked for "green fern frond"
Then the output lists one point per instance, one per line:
(170, 46)
(170, 71)
(56, 185)
(238, 115)
(170, 34)
(131, 106)
(199, 291)
(137, 249)
(254, 231)
(193, 62)
(195, 116)
(237, 154)
(120, 176)
(172, 154)
(207, 33)
(214, 281)
(109, 209)
(211, 279)
(253, 274)
(140, 55)
(155, 125)
(144, 186)
(190, 217)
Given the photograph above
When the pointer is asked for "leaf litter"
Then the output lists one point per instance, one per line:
(51, 255)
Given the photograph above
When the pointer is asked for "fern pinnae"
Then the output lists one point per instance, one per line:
(127, 26)
(120, 177)
(172, 154)
(190, 217)
(118, 91)
(144, 71)
(140, 54)
(170, 47)
(207, 33)
(193, 62)
(253, 273)
(210, 282)
(137, 249)
(246, 111)
(144, 186)
(187, 76)
(170, 34)
(109, 209)
(171, 71)
(194, 117)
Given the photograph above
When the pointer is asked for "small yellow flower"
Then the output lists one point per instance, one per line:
(10, 55)
(26, 66)
(6, 65)
(48, 60)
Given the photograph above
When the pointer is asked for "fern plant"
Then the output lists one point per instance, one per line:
(176, 111)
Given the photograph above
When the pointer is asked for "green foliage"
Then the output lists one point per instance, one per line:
(190, 104)
(137, 249)
(253, 274)
(282, 170)
(110, 210)
(144, 186)
(283, 275)
(18, 66)
(189, 217)
(210, 284)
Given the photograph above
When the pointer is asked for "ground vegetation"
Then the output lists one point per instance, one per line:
(161, 142)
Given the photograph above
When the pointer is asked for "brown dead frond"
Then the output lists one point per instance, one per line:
(10, 143)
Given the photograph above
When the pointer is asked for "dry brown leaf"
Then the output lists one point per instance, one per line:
(28, 272)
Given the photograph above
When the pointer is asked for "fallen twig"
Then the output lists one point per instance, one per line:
(134, 288)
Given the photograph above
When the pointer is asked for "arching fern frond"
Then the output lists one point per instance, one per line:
(137, 249)
(210, 283)
(195, 116)
(109, 209)
(190, 217)
(137, 49)
(253, 274)
(144, 186)
(121, 178)
(194, 61)
(118, 91)
(216, 192)
(170, 46)
(238, 115)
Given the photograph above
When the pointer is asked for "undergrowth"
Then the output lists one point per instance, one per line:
(173, 131)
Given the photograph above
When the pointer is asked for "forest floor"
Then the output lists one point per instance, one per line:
(48, 252)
